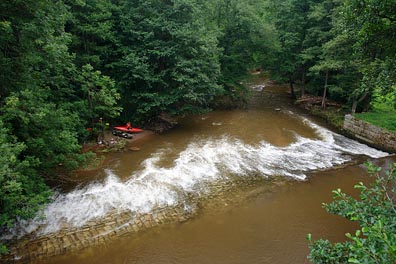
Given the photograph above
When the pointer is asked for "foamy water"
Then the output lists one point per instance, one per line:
(201, 163)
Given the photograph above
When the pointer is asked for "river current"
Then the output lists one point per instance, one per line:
(269, 140)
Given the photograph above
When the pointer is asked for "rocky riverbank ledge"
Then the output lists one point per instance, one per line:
(370, 134)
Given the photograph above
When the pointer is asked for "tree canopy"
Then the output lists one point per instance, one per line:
(66, 63)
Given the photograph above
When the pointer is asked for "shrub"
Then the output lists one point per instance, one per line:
(375, 211)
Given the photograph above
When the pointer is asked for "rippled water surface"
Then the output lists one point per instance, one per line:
(287, 161)
(265, 225)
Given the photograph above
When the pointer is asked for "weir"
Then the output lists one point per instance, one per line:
(115, 224)
(92, 233)
(267, 145)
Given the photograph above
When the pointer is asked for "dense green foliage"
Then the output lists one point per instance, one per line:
(22, 192)
(66, 63)
(46, 103)
(169, 62)
(375, 212)
(383, 108)
(339, 49)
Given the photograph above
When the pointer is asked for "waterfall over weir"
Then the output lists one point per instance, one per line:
(202, 163)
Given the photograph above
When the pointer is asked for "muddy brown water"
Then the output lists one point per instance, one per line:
(268, 228)
(265, 221)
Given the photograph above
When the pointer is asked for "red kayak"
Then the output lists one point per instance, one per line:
(128, 129)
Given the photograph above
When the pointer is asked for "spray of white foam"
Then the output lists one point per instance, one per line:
(345, 144)
(203, 162)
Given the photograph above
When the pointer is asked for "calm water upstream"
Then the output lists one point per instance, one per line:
(286, 163)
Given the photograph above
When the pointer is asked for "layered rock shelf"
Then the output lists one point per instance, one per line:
(116, 224)
(93, 233)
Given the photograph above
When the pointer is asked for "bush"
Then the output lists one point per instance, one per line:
(375, 211)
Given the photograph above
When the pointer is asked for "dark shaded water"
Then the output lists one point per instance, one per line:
(288, 165)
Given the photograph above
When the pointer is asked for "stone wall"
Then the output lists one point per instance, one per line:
(93, 233)
(370, 134)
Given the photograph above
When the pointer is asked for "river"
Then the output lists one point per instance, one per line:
(285, 165)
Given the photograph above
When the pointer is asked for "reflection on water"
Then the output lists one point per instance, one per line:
(267, 140)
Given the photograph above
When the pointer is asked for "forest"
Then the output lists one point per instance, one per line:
(66, 63)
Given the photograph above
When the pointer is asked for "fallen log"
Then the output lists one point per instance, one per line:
(315, 100)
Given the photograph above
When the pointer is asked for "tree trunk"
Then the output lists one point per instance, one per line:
(303, 83)
(354, 106)
(292, 94)
(367, 103)
(325, 90)
(357, 101)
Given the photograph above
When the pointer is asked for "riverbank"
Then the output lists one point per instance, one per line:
(370, 134)
(111, 143)
(101, 158)
(333, 114)
(188, 165)
(375, 134)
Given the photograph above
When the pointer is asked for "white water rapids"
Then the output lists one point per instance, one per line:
(202, 162)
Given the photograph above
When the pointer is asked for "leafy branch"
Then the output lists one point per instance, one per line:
(375, 211)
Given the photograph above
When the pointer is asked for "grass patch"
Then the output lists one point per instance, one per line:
(382, 119)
